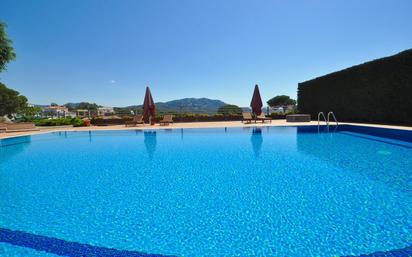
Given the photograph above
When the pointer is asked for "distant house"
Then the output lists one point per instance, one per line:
(283, 109)
(82, 113)
(105, 111)
(55, 111)
(71, 114)
(276, 109)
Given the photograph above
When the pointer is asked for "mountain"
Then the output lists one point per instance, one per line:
(40, 105)
(185, 105)
(82, 105)
(188, 105)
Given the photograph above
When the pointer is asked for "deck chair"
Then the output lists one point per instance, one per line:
(21, 127)
(138, 119)
(247, 117)
(263, 118)
(3, 127)
(167, 119)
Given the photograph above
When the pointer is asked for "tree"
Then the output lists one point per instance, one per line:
(11, 101)
(30, 111)
(87, 106)
(54, 104)
(7, 53)
(71, 106)
(229, 109)
(280, 101)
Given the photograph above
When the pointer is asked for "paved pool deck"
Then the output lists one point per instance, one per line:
(217, 124)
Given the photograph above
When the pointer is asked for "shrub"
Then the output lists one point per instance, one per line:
(114, 121)
(229, 109)
(278, 116)
(59, 122)
(77, 122)
(177, 117)
(52, 122)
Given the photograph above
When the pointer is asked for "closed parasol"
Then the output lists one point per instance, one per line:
(256, 103)
(149, 108)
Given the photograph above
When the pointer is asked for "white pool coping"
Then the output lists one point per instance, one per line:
(215, 124)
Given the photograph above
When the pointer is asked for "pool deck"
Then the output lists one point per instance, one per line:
(217, 124)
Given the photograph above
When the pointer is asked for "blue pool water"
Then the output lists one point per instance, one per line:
(271, 191)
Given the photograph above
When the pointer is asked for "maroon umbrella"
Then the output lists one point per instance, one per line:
(256, 102)
(149, 108)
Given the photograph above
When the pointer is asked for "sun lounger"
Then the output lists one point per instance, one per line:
(21, 127)
(3, 127)
(138, 119)
(167, 119)
(247, 117)
(263, 118)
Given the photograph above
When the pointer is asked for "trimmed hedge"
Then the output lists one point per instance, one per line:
(176, 118)
(378, 91)
(181, 118)
(106, 122)
(76, 122)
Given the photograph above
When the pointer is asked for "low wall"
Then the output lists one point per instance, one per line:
(177, 118)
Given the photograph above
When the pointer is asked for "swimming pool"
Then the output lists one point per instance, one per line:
(269, 191)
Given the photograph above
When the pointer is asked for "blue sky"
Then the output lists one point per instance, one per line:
(108, 51)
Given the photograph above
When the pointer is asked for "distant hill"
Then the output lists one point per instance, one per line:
(40, 105)
(72, 105)
(82, 105)
(191, 105)
(185, 105)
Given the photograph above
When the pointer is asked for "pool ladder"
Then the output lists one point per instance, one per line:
(322, 115)
(327, 121)
(334, 118)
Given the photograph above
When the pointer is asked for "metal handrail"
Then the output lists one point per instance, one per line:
(324, 118)
(334, 117)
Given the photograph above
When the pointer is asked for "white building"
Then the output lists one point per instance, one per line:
(55, 111)
(283, 109)
(105, 111)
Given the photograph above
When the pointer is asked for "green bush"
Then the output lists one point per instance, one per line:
(76, 122)
(53, 122)
(177, 117)
(230, 109)
(278, 116)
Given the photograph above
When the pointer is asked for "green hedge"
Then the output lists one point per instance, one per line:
(182, 117)
(378, 91)
(186, 117)
(76, 122)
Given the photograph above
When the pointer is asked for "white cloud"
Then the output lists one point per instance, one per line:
(112, 81)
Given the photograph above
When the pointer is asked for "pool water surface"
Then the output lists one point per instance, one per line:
(268, 191)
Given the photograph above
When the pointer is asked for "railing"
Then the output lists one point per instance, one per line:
(334, 118)
(327, 121)
(321, 114)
